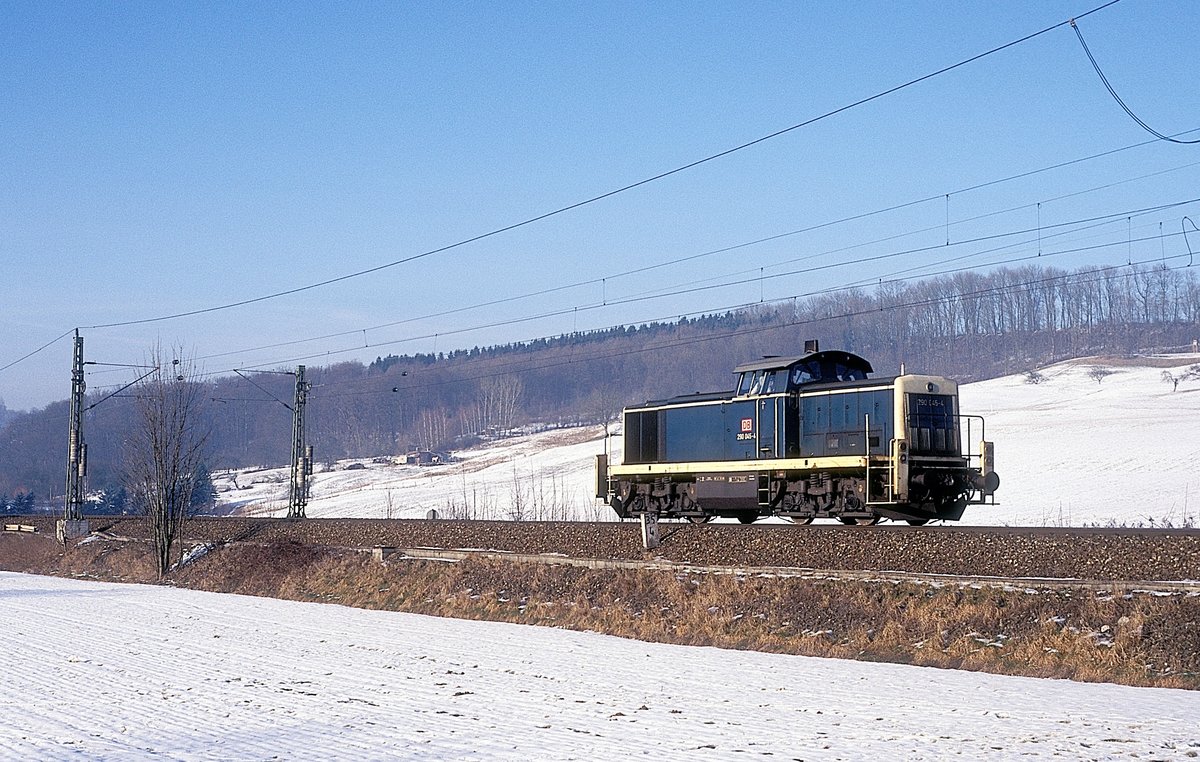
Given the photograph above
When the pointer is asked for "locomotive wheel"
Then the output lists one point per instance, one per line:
(873, 520)
(802, 520)
(748, 518)
(917, 522)
(700, 519)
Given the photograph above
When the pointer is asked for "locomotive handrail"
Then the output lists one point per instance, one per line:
(971, 439)
(967, 451)
(889, 467)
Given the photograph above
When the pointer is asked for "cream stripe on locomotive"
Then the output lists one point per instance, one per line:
(775, 464)
(735, 466)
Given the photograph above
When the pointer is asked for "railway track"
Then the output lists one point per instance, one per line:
(1033, 584)
(985, 555)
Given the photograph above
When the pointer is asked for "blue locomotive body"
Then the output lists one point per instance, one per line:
(805, 437)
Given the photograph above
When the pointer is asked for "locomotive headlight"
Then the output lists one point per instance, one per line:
(931, 388)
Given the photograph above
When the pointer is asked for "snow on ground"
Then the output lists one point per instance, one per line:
(1070, 451)
(108, 671)
(545, 476)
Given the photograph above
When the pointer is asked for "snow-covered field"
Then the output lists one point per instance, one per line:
(1073, 451)
(1070, 451)
(106, 671)
(544, 476)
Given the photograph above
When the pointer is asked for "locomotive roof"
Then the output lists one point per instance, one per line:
(831, 356)
(682, 398)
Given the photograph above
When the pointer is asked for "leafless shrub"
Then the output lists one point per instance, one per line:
(166, 448)
(389, 504)
(1173, 377)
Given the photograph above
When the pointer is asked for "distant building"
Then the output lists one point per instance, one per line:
(427, 458)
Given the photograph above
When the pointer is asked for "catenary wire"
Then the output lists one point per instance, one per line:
(1117, 98)
(747, 244)
(888, 255)
(1103, 273)
(616, 191)
(48, 344)
(725, 249)
(927, 229)
(688, 258)
(665, 174)
(522, 364)
(1121, 242)
(1073, 225)
(1044, 255)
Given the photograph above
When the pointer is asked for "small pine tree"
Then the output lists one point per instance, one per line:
(204, 494)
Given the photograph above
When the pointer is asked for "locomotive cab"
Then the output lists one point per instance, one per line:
(772, 374)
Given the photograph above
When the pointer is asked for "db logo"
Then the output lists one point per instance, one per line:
(747, 425)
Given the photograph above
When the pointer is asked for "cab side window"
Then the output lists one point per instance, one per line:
(757, 383)
(769, 387)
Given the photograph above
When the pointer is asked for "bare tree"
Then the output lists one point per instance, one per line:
(165, 449)
(1173, 379)
(432, 429)
(1098, 374)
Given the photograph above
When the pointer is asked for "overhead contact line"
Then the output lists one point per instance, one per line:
(620, 190)
(522, 366)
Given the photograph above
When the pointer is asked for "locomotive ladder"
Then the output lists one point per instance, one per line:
(888, 479)
(764, 489)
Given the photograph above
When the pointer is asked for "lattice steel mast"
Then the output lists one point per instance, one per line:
(301, 455)
(72, 524)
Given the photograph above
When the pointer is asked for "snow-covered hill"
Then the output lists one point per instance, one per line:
(1070, 450)
(543, 476)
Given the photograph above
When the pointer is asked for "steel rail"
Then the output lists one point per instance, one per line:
(384, 553)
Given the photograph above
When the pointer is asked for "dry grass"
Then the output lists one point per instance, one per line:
(110, 561)
(1113, 636)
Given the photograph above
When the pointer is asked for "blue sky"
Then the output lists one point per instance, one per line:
(165, 157)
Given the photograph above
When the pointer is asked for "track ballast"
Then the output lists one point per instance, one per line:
(1056, 553)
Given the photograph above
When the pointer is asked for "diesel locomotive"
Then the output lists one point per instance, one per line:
(804, 438)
